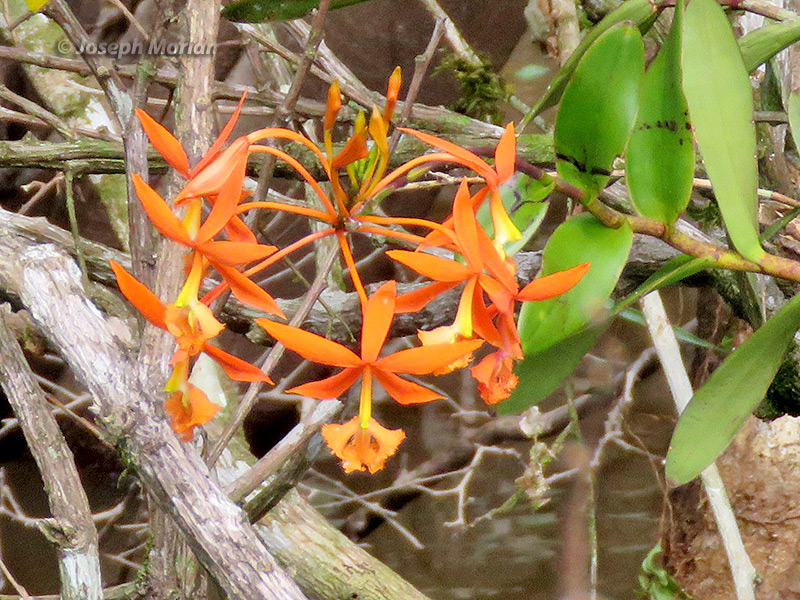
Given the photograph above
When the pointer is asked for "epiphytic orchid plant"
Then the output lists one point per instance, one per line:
(348, 202)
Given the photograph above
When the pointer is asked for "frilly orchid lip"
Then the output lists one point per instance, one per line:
(362, 448)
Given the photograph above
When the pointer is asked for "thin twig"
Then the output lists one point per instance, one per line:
(666, 344)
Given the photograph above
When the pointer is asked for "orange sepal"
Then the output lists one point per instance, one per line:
(378, 315)
(553, 285)
(159, 212)
(236, 253)
(360, 449)
(165, 143)
(246, 291)
(505, 154)
(145, 301)
(236, 368)
(330, 387)
(213, 152)
(431, 266)
(404, 392)
(310, 345)
(426, 359)
(417, 299)
(188, 410)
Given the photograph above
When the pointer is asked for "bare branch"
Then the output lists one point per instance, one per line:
(72, 528)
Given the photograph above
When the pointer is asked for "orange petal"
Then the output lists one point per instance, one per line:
(496, 264)
(404, 392)
(310, 345)
(235, 253)
(378, 316)
(426, 359)
(236, 368)
(505, 155)
(431, 266)
(553, 285)
(166, 144)
(209, 181)
(466, 227)
(239, 232)
(355, 149)
(213, 152)
(145, 301)
(360, 448)
(419, 298)
(247, 291)
(499, 295)
(229, 196)
(331, 387)
(159, 212)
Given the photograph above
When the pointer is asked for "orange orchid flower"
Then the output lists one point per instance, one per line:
(368, 443)
(224, 256)
(215, 163)
(483, 268)
(193, 326)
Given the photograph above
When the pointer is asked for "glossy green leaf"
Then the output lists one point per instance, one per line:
(541, 373)
(599, 108)
(660, 157)
(258, 11)
(720, 99)
(641, 12)
(765, 42)
(523, 197)
(580, 239)
(719, 408)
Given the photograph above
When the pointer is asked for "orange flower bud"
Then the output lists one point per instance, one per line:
(333, 107)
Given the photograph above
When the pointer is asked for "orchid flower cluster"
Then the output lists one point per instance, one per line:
(357, 180)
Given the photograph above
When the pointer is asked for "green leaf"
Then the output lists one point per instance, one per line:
(660, 156)
(762, 44)
(523, 197)
(719, 408)
(599, 108)
(687, 337)
(641, 12)
(720, 100)
(258, 11)
(541, 373)
(580, 239)
(675, 270)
